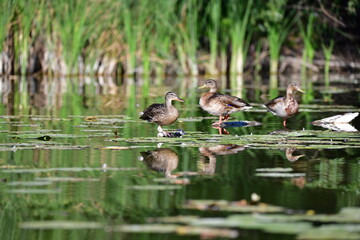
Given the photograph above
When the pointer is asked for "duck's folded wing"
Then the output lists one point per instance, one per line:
(153, 110)
(233, 101)
(274, 101)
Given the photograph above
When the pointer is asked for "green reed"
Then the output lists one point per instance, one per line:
(278, 24)
(187, 37)
(327, 50)
(309, 48)
(212, 31)
(7, 8)
(74, 24)
(27, 14)
(240, 33)
(145, 37)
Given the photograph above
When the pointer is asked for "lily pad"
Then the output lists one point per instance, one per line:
(40, 170)
(154, 187)
(61, 225)
(222, 205)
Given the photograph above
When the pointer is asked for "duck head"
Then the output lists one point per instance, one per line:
(170, 96)
(294, 87)
(210, 83)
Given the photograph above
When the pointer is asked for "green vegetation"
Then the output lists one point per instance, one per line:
(167, 37)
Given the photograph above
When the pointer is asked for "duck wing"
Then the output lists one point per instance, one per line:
(277, 106)
(231, 101)
(152, 111)
(274, 102)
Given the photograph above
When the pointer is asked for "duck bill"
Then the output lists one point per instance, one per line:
(202, 87)
(179, 99)
(300, 90)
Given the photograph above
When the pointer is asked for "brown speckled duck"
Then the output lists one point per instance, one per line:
(285, 106)
(218, 104)
(162, 114)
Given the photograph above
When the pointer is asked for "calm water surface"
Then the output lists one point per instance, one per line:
(83, 175)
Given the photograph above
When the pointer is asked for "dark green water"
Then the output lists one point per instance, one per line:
(82, 175)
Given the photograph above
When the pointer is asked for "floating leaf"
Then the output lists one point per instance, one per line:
(280, 175)
(179, 181)
(61, 225)
(154, 187)
(180, 230)
(35, 191)
(30, 183)
(65, 179)
(274, 170)
(222, 205)
(39, 170)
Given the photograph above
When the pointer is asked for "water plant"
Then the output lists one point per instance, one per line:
(278, 23)
(74, 25)
(309, 48)
(193, 37)
(240, 33)
(212, 30)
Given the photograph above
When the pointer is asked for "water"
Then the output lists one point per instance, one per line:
(87, 181)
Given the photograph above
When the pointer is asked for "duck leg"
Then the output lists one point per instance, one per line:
(284, 122)
(165, 134)
(218, 122)
(226, 118)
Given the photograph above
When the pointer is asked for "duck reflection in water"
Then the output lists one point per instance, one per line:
(161, 160)
(289, 154)
(207, 165)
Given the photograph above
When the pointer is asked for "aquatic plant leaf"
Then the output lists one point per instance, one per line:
(75, 169)
(29, 183)
(274, 169)
(250, 222)
(65, 179)
(222, 205)
(176, 219)
(280, 175)
(147, 228)
(120, 147)
(35, 191)
(180, 230)
(59, 135)
(154, 187)
(332, 232)
(300, 139)
(61, 225)
(179, 181)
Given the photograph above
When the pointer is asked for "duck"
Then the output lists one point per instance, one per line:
(161, 160)
(162, 113)
(285, 106)
(218, 104)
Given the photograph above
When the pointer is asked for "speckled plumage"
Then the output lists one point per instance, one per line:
(218, 104)
(285, 106)
(162, 113)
